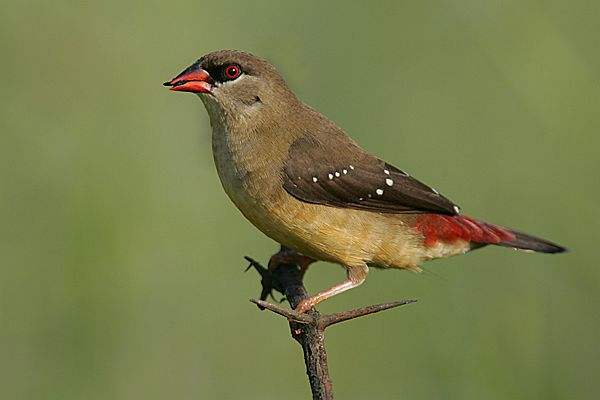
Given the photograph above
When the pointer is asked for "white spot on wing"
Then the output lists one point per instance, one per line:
(330, 176)
(457, 209)
(386, 171)
(389, 182)
(360, 199)
(337, 174)
(345, 171)
(379, 191)
(315, 179)
(351, 167)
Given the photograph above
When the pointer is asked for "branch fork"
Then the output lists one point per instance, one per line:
(308, 328)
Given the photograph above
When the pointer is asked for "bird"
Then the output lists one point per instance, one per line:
(302, 181)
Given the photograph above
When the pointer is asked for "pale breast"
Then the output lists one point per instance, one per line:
(250, 179)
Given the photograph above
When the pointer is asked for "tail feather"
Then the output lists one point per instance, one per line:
(443, 228)
(524, 241)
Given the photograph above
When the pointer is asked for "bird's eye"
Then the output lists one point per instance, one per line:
(232, 71)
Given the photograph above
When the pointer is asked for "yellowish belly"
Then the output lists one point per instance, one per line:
(344, 236)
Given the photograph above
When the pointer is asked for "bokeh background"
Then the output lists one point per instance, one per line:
(121, 270)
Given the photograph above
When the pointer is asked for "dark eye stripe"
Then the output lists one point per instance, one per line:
(225, 72)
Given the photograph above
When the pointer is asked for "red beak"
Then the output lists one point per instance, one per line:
(193, 79)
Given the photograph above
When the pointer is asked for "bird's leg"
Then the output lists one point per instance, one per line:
(356, 276)
(290, 257)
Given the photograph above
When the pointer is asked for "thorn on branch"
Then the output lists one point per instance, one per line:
(258, 266)
(332, 319)
(267, 281)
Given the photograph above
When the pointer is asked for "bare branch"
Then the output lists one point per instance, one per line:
(289, 314)
(332, 319)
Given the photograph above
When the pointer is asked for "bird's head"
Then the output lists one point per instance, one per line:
(234, 84)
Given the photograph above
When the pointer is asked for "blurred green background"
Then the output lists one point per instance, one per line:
(121, 270)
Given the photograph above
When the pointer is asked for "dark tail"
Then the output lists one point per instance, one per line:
(524, 241)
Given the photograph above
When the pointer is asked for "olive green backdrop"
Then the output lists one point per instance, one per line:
(121, 270)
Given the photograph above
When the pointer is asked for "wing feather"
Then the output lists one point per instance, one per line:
(351, 178)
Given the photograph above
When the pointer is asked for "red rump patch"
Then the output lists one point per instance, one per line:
(444, 228)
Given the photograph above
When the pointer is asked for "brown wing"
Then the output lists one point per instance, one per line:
(347, 176)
